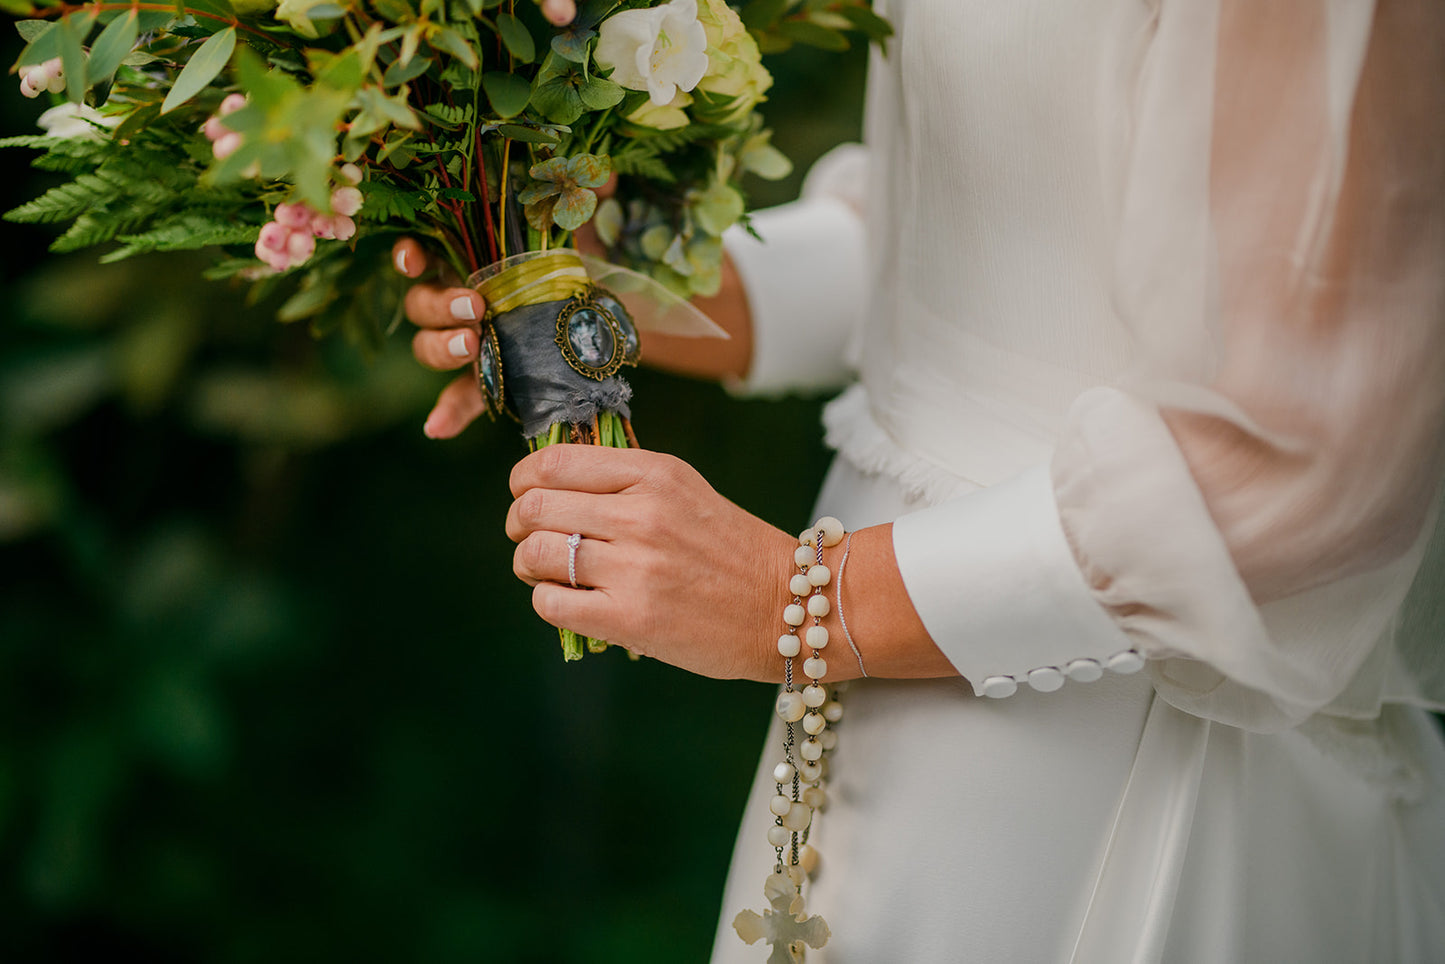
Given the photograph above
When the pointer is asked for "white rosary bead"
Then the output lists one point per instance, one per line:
(798, 817)
(817, 604)
(815, 797)
(784, 772)
(789, 645)
(819, 575)
(808, 859)
(828, 739)
(813, 724)
(804, 556)
(810, 770)
(815, 695)
(806, 538)
(799, 585)
(832, 710)
(794, 614)
(790, 706)
(780, 805)
(811, 750)
(832, 530)
(779, 836)
(815, 667)
(817, 636)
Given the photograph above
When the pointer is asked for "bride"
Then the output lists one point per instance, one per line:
(1143, 309)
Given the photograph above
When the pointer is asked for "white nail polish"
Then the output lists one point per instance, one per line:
(462, 309)
(401, 260)
(458, 345)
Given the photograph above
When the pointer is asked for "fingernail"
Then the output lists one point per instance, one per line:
(462, 309)
(430, 428)
(401, 260)
(458, 345)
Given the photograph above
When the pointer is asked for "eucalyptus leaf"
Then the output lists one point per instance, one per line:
(325, 11)
(201, 69)
(31, 29)
(112, 47)
(507, 92)
(399, 73)
(451, 42)
(516, 37)
(72, 56)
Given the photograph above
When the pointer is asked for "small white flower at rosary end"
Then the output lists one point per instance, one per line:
(661, 49)
(78, 121)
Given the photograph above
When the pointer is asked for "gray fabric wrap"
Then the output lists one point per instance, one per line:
(540, 387)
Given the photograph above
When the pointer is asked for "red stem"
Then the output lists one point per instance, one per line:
(456, 210)
(486, 201)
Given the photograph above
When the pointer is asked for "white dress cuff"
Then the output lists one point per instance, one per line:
(806, 285)
(996, 585)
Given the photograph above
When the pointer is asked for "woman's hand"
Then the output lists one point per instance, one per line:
(670, 569)
(447, 316)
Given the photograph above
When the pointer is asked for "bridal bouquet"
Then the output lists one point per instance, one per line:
(301, 138)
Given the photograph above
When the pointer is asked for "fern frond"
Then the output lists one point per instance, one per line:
(62, 202)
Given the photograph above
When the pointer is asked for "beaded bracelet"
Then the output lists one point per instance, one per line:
(799, 777)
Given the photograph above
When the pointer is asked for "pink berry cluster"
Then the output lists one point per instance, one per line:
(42, 77)
(290, 239)
(224, 141)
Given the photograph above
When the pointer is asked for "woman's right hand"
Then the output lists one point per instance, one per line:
(447, 316)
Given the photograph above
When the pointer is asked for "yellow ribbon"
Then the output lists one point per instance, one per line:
(547, 277)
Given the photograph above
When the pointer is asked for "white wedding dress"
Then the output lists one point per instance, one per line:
(1069, 218)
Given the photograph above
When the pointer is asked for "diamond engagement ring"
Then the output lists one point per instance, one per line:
(573, 541)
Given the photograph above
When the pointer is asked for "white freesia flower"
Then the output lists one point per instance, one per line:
(75, 120)
(661, 49)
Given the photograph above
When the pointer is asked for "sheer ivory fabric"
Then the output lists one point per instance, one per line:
(1146, 310)
(1222, 321)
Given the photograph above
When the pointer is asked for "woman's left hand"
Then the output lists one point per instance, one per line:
(668, 568)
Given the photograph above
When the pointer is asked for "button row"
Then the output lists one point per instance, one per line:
(1046, 679)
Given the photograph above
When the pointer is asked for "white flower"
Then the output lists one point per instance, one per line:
(660, 49)
(75, 120)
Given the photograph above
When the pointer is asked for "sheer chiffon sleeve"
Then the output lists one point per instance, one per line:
(1253, 506)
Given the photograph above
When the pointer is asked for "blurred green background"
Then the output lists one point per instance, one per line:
(268, 689)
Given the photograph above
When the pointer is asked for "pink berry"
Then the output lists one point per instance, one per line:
(273, 236)
(226, 145)
(231, 104)
(346, 201)
(300, 246)
(559, 13)
(295, 214)
(343, 228)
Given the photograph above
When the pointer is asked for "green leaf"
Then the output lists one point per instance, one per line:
(31, 29)
(451, 42)
(62, 202)
(760, 14)
(220, 8)
(599, 94)
(813, 35)
(516, 37)
(201, 69)
(868, 23)
(717, 209)
(325, 11)
(112, 47)
(507, 92)
(43, 46)
(528, 135)
(344, 72)
(72, 56)
(399, 73)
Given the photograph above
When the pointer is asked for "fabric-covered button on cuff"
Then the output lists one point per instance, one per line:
(1084, 670)
(998, 687)
(1046, 679)
(1129, 661)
